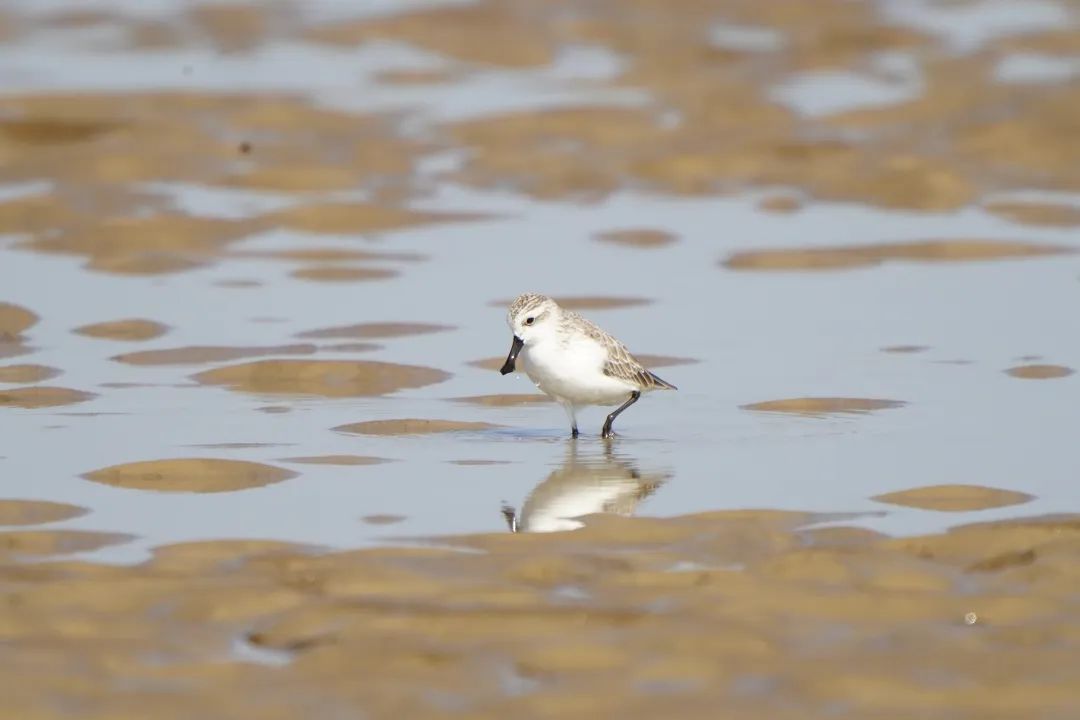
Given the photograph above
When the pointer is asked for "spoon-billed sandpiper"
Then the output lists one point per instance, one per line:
(573, 360)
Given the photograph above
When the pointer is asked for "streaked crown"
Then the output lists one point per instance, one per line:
(526, 303)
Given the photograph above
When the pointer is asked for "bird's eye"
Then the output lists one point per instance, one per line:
(530, 320)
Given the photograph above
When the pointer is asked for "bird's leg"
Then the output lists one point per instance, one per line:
(606, 432)
(572, 415)
(510, 515)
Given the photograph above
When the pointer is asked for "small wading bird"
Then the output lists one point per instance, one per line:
(574, 361)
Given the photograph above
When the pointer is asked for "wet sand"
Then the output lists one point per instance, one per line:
(746, 611)
(254, 263)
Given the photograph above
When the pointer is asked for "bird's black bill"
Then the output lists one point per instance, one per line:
(511, 359)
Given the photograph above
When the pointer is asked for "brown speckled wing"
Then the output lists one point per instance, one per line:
(620, 363)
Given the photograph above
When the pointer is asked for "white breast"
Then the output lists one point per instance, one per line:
(574, 372)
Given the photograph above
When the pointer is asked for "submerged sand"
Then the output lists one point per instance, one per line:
(737, 613)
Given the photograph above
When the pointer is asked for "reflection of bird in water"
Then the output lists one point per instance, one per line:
(583, 486)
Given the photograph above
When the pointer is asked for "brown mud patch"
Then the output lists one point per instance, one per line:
(360, 218)
(325, 378)
(492, 363)
(26, 373)
(641, 238)
(421, 626)
(1038, 214)
(507, 400)
(434, 76)
(52, 132)
(144, 245)
(649, 361)
(824, 405)
(412, 426)
(383, 519)
(229, 28)
(11, 349)
(373, 330)
(99, 208)
(954, 498)
(780, 204)
(14, 321)
(339, 273)
(204, 354)
(720, 126)
(329, 255)
(861, 256)
(23, 543)
(343, 460)
(294, 175)
(195, 475)
(205, 555)
(238, 284)
(487, 34)
(905, 349)
(709, 120)
(1039, 372)
(352, 347)
(37, 512)
(131, 330)
(42, 396)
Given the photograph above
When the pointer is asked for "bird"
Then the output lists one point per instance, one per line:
(573, 361)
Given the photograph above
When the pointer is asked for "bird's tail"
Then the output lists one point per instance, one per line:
(659, 382)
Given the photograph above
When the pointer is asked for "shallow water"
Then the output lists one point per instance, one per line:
(755, 336)
(254, 261)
